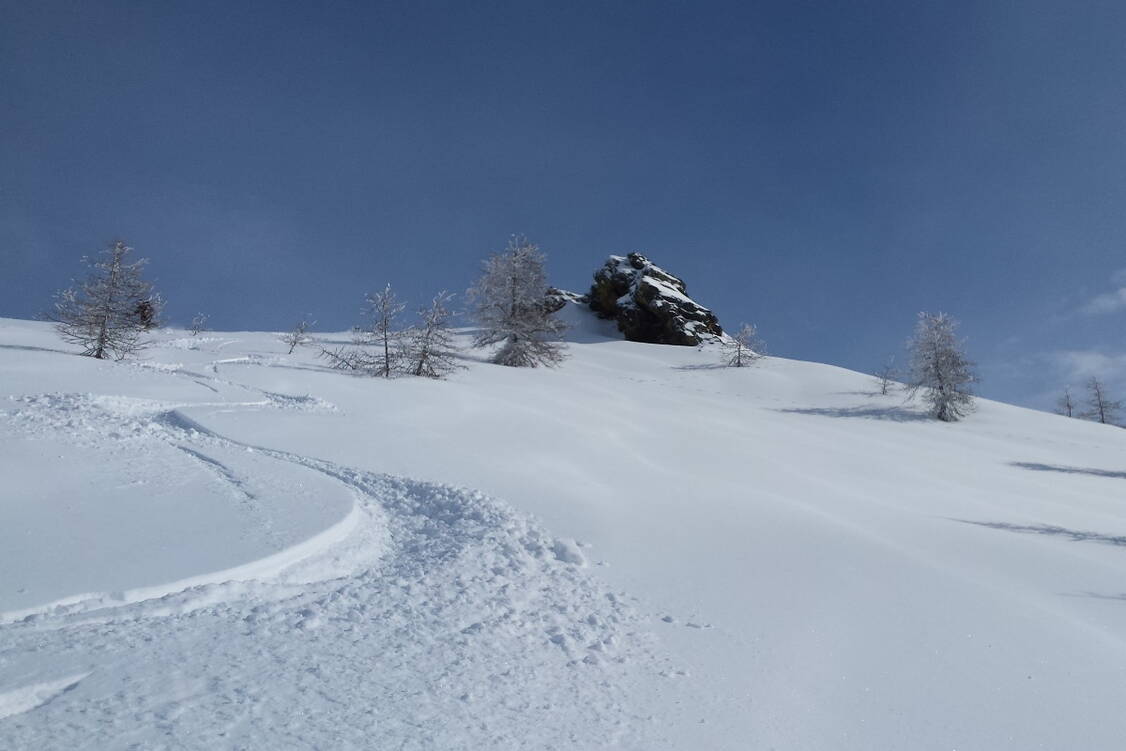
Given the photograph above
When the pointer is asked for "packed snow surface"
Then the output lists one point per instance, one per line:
(223, 546)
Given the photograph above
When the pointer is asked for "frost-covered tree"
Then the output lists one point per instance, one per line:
(428, 347)
(939, 368)
(199, 323)
(886, 375)
(110, 310)
(510, 302)
(1065, 405)
(299, 335)
(744, 347)
(382, 310)
(377, 343)
(1100, 407)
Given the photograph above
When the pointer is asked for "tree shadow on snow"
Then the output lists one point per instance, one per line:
(29, 348)
(702, 366)
(1098, 595)
(1074, 535)
(311, 368)
(893, 414)
(1037, 467)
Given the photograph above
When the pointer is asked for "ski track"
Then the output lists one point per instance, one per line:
(28, 697)
(474, 623)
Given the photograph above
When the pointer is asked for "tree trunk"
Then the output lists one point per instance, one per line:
(103, 332)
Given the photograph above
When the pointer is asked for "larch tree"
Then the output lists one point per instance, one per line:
(1065, 405)
(886, 375)
(744, 347)
(199, 323)
(510, 302)
(377, 343)
(428, 348)
(382, 310)
(1100, 407)
(108, 312)
(939, 369)
(298, 336)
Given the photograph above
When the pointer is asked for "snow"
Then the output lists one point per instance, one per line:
(224, 546)
(28, 697)
(664, 289)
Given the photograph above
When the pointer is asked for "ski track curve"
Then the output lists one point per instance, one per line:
(473, 629)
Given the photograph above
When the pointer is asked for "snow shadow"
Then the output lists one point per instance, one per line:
(703, 366)
(572, 335)
(579, 336)
(893, 414)
(1037, 467)
(29, 348)
(1074, 535)
(1100, 595)
(310, 368)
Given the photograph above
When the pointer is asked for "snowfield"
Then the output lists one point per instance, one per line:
(223, 546)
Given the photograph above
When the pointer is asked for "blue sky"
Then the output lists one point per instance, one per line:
(825, 170)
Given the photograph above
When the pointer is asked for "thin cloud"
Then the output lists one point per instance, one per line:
(1077, 365)
(1109, 302)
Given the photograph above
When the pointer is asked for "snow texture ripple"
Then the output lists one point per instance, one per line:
(468, 628)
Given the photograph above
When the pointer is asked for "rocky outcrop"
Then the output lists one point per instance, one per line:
(556, 298)
(650, 304)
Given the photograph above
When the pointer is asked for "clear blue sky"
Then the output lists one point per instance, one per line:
(823, 169)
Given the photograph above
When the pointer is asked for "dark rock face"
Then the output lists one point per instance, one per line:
(649, 304)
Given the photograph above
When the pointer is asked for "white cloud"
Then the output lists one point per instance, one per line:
(1077, 365)
(1109, 302)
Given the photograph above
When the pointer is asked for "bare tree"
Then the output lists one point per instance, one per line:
(108, 312)
(1065, 405)
(511, 304)
(744, 347)
(381, 311)
(1100, 407)
(939, 368)
(199, 323)
(886, 375)
(380, 333)
(298, 335)
(428, 348)
(348, 358)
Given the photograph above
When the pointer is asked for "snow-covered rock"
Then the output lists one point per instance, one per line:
(557, 298)
(650, 304)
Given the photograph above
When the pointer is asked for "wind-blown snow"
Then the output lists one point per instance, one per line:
(219, 548)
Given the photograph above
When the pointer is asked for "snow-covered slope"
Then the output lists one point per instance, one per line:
(223, 546)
